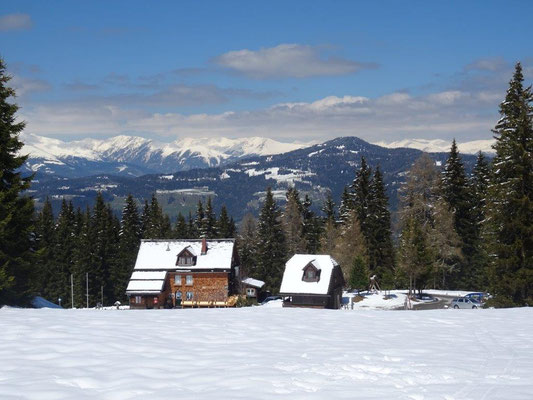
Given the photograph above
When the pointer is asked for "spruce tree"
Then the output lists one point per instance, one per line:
(455, 192)
(511, 194)
(361, 196)
(84, 260)
(45, 243)
(128, 246)
(359, 274)
(181, 230)
(247, 245)
(16, 209)
(380, 245)
(210, 220)
(478, 190)
(200, 221)
(224, 226)
(312, 227)
(293, 223)
(346, 206)
(271, 247)
(328, 208)
(58, 285)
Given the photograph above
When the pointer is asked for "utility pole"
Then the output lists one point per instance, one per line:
(87, 287)
(71, 291)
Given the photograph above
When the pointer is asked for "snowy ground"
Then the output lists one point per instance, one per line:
(266, 353)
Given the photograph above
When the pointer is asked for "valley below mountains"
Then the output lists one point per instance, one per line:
(237, 177)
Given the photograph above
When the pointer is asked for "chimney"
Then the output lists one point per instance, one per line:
(204, 246)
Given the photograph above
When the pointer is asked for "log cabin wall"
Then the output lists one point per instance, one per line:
(206, 286)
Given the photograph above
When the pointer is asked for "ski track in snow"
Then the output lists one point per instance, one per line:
(266, 353)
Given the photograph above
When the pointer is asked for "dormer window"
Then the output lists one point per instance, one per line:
(311, 273)
(186, 258)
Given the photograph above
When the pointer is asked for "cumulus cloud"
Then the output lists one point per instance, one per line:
(288, 61)
(15, 22)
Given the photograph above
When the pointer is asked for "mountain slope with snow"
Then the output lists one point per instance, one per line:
(439, 145)
(130, 155)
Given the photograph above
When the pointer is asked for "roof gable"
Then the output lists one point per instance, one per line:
(293, 281)
(163, 254)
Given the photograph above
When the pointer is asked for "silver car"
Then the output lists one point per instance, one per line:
(464, 302)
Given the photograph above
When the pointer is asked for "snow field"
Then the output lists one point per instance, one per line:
(266, 353)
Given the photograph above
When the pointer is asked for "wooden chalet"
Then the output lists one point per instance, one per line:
(314, 281)
(184, 273)
(251, 287)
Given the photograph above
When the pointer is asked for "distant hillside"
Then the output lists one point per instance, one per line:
(315, 170)
(135, 156)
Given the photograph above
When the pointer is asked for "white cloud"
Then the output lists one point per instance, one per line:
(391, 117)
(24, 86)
(15, 22)
(288, 60)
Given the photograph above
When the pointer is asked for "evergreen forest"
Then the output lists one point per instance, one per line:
(453, 229)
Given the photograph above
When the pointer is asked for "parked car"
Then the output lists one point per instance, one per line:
(464, 302)
(479, 296)
(270, 298)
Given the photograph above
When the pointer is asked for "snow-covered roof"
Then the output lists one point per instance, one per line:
(148, 275)
(294, 269)
(162, 254)
(153, 286)
(253, 282)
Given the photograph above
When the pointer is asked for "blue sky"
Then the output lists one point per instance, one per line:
(294, 71)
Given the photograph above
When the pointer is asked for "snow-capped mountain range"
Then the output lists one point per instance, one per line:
(131, 155)
(136, 156)
(439, 145)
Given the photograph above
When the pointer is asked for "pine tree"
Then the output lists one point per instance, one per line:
(181, 231)
(346, 206)
(478, 190)
(224, 226)
(247, 245)
(58, 285)
(415, 256)
(293, 223)
(349, 243)
(361, 196)
(328, 208)
(422, 222)
(84, 260)
(128, 246)
(380, 245)
(192, 230)
(45, 244)
(271, 247)
(145, 221)
(511, 193)
(199, 221)
(16, 210)
(359, 274)
(312, 227)
(455, 192)
(210, 220)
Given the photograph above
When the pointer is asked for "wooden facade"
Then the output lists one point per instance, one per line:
(199, 273)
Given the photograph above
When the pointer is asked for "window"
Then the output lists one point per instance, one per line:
(188, 280)
(178, 295)
(186, 258)
(250, 292)
(137, 299)
(177, 280)
(311, 273)
(188, 296)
